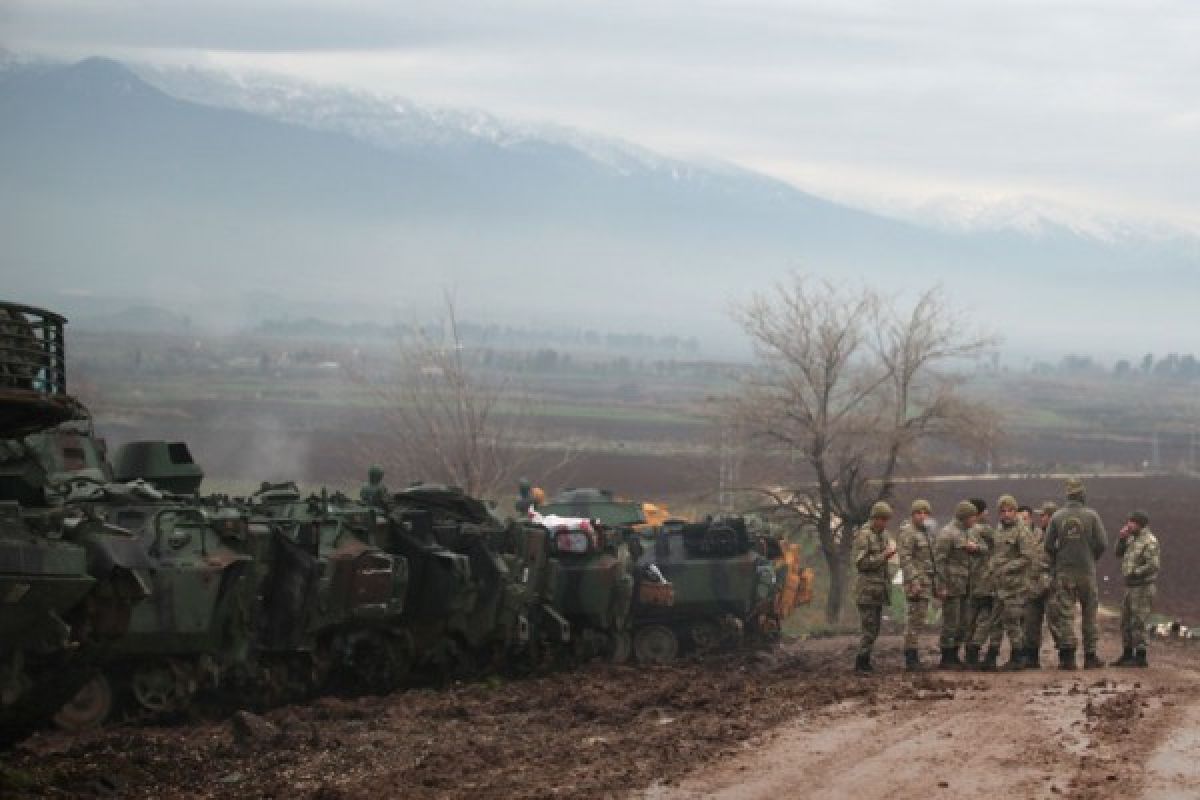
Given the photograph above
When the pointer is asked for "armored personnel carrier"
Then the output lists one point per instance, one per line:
(724, 583)
(66, 588)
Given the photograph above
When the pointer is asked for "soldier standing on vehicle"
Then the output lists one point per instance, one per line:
(373, 492)
(1040, 580)
(952, 550)
(1074, 540)
(872, 549)
(524, 497)
(1012, 555)
(915, 549)
(980, 591)
(1138, 550)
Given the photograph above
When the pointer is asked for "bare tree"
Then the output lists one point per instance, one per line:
(849, 389)
(453, 422)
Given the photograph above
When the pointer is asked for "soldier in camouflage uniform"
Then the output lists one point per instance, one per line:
(1009, 566)
(1138, 550)
(952, 550)
(981, 595)
(1040, 580)
(373, 492)
(915, 548)
(1074, 540)
(872, 550)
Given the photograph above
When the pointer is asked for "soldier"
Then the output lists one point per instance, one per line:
(915, 548)
(524, 498)
(871, 551)
(1138, 550)
(1009, 566)
(1040, 580)
(980, 593)
(373, 492)
(1025, 516)
(952, 550)
(1075, 538)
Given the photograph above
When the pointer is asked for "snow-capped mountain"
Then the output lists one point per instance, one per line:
(184, 184)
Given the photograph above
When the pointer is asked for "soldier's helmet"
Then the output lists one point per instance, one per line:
(1074, 487)
(523, 486)
(920, 505)
(375, 473)
(881, 510)
(1049, 508)
(1006, 501)
(965, 510)
(1140, 517)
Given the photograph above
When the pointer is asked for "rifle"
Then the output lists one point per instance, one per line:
(932, 561)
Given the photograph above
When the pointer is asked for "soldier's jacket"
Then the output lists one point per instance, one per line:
(915, 550)
(1139, 558)
(980, 581)
(1040, 566)
(953, 562)
(1009, 565)
(1075, 538)
(871, 583)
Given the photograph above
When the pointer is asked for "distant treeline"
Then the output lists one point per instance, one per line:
(480, 335)
(1172, 366)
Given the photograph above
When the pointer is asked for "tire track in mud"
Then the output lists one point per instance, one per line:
(1111, 733)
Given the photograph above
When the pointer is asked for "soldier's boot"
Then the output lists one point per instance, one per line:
(1139, 658)
(949, 659)
(972, 661)
(862, 663)
(1090, 661)
(1126, 659)
(1066, 658)
(911, 662)
(1016, 660)
(989, 660)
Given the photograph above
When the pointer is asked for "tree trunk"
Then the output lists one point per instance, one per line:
(837, 586)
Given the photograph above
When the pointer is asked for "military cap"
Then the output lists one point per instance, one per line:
(881, 509)
(964, 510)
(1049, 508)
(921, 505)
(1140, 517)
(1006, 501)
(1074, 487)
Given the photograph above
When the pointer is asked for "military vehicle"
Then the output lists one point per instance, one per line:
(65, 588)
(589, 581)
(596, 504)
(725, 584)
(329, 590)
(475, 599)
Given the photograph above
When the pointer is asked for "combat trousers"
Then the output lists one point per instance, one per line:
(1035, 618)
(977, 624)
(1135, 613)
(1067, 592)
(871, 617)
(915, 621)
(954, 612)
(1008, 618)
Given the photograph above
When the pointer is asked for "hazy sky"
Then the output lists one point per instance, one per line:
(943, 107)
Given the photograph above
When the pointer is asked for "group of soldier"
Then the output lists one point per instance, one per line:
(1006, 581)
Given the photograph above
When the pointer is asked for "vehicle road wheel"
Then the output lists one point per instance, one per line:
(706, 636)
(622, 647)
(89, 708)
(157, 688)
(655, 644)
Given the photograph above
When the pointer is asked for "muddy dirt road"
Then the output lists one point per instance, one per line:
(1111, 733)
(790, 722)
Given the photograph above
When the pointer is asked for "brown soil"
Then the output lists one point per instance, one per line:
(793, 720)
